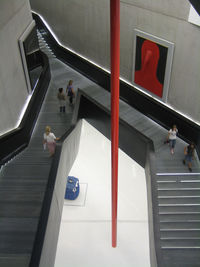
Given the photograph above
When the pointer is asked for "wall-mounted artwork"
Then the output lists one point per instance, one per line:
(152, 64)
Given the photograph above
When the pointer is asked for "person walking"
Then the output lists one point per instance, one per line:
(61, 99)
(70, 91)
(189, 155)
(172, 138)
(50, 140)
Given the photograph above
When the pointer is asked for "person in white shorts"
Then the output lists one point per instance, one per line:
(172, 138)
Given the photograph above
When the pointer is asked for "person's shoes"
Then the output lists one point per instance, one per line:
(184, 162)
(190, 169)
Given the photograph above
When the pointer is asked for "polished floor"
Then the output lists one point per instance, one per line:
(85, 232)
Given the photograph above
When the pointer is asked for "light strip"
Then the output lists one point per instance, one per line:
(26, 105)
(178, 173)
(108, 71)
(22, 111)
(20, 116)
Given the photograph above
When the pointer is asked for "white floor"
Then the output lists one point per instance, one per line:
(85, 232)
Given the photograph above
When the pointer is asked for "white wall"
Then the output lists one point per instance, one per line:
(69, 152)
(15, 16)
(84, 27)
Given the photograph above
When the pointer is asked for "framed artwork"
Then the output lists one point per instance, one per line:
(152, 62)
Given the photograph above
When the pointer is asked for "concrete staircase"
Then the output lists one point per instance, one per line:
(179, 219)
(44, 46)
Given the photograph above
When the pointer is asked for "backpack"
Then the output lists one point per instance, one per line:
(72, 188)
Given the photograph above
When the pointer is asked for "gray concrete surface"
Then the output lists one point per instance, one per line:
(15, 16)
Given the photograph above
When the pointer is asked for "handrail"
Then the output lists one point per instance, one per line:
(44, 214)
(196, 5)
(16, 140)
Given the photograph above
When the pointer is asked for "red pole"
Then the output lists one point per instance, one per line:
(115, 64)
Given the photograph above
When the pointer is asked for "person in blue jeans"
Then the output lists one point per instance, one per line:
(172, 138)
(189, 155)
(70, 91)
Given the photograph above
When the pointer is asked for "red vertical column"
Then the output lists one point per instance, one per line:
(115, 66)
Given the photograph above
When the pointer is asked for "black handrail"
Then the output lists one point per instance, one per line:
(44, 214)
(16, 140)
(196, 5)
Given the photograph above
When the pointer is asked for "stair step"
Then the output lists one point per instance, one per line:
(185, 257)
(28, 194)
(173, 226)
(178, 217)
(17, 242)
(178, 193)
(183, 243)
(32, 161)
(14, 259)
(177, 179)
(181, 233)
(179, 209)
(178, 186)
(180, 238)
(178, 205)
(181, 247)
(190, 200)
(32, 170)
(20, 210)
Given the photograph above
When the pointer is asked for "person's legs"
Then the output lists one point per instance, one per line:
(188, 160)
(172, 145)
(63, 109)
(60, 109)
(190, 163)
(51, 148)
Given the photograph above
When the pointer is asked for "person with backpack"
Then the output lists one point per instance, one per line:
(70, 92)
(189, 155)
(61, 99)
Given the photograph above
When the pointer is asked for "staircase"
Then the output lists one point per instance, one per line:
(196, 5)
(44, 47)
(23, 182)
(179, 219)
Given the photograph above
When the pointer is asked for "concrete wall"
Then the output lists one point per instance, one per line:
(84, 27)
(15, 16)
(69, 152)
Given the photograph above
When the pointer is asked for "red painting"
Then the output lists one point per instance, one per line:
(150, 65)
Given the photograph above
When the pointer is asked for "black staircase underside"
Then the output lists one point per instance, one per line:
(196, 5)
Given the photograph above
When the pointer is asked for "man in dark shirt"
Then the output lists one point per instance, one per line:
(189, 155)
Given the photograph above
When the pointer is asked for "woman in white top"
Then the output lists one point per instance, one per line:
(172, 138)
(50, 140)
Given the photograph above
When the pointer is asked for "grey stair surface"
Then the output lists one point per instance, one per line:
(23, 181)
(179, 214)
